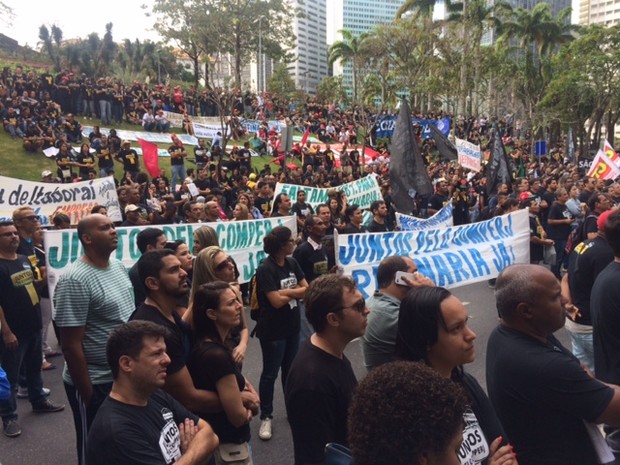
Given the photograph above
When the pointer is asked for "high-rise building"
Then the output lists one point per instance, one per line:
(599, 12)
(357, 16)
(310, 67)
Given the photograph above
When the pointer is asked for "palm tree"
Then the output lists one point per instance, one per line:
(349, 49)
(422, 7)
(539, 34)
(476, 17)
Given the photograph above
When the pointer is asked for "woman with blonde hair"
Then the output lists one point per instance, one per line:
(213, 264)
(241, 212)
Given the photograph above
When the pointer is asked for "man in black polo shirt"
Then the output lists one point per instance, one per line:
(165, 282)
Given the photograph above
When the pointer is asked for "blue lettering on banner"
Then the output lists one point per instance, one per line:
(450, 256)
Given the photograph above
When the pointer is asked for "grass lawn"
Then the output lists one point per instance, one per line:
(15, 162)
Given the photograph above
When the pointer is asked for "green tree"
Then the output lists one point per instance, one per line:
(332, 89)
(538, 35)
(178, 22)
(47, 40)
(281, 83)
(349, 50)
(585, 87)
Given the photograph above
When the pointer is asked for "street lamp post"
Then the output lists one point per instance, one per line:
(260, 54)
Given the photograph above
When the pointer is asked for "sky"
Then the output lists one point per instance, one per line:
(78, 19)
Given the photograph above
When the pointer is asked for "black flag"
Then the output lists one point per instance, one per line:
(498, 169)
(446, 148)
(408, 175)
(570, 146)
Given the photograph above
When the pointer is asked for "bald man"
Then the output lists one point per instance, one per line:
(92, 298)
(548, 404)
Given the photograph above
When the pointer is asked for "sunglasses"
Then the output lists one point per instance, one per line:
(29, 218)
(358, 306)
(224, 264)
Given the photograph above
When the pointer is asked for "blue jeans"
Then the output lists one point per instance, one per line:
(105, 109)
(178, 175)
(276, 354)
(305, 328)
(29, 354)
(583, 348)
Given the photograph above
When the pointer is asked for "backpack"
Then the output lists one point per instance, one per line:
(254, 305)
(577, 236)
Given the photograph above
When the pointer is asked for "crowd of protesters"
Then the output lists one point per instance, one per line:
(566, 209)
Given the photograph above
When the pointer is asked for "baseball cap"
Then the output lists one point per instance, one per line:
(46, 173)
(602, 219)
(131, 208)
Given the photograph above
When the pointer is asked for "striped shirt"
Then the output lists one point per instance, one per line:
(98, 299)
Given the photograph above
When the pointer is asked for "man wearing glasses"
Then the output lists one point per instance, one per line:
(321, 381)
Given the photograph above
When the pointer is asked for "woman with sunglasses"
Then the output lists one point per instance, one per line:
(280, 283)
(432, 328)
(216, 311)
(213, 264)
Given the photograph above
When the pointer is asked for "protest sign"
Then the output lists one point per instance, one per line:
(362, 192)
(46, 199)
(451, 257)
(469, 154)
(386, 125)
(603, 167)
(441, 219)
(242, 240)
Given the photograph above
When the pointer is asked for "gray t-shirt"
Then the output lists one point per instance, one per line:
(98, 299)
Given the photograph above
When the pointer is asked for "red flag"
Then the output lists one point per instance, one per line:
(304, 138)
(149, 154)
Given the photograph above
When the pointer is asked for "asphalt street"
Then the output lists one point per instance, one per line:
(49, 439)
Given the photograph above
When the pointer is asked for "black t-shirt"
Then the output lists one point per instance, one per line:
(18, 296)
(559, 232)
(176, 160)
(124, 434)
(377, 227)
(263, 205)
(437, 201)
(220, 363)
(277, 323)
(312, 262)
(480, 423)
(541, 394)
(585, 263)
(129, 157)
(301, 210)
(536, 230)
(352, 229)
(605, 313)
(317, 393)
(178, 341)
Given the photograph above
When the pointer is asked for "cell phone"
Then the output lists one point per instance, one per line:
(399, 277)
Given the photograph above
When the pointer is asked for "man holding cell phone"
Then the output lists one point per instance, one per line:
(395, 276)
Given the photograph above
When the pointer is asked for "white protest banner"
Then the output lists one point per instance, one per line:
(451, 257)
(46, 199)
(208, 131)
(442, 219)
(362, 192)
(243, 240)
(469, 154)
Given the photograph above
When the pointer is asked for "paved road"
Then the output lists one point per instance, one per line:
(49, 439)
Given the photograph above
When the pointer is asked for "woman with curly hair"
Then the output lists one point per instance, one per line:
(405, 413)
(432, 328)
